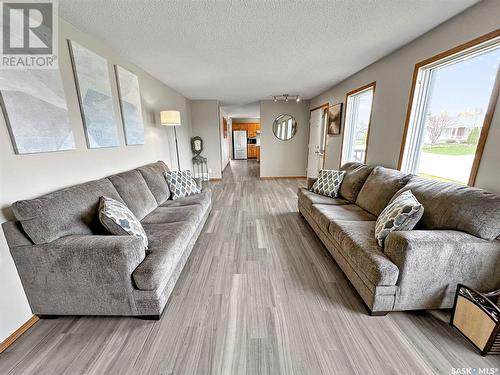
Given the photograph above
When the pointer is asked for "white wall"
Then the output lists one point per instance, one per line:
(393, 75)
(27, 176)
(225, 143)
(206, 124)
(283, 158)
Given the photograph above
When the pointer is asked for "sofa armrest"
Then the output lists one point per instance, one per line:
(432, 262)
(80, 275)
(310, 182)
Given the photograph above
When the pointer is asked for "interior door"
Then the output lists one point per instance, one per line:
(316, 151)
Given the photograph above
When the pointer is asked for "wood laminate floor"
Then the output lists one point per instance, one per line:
(259, 295)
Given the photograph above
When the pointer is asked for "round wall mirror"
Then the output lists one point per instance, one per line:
(284, 127)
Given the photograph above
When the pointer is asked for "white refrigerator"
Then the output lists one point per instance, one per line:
(240, 144)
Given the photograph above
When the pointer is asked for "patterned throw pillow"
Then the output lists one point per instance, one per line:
(119, 220)
(403, 213)
(181, 184)
(328, 183)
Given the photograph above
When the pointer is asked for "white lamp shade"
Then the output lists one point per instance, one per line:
(170, 118)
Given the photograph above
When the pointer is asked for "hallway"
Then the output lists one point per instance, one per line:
(259, 295)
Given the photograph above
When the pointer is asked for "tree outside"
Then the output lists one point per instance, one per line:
(436, 124)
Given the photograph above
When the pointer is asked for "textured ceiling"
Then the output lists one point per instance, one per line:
(250, 110)
(243, 51)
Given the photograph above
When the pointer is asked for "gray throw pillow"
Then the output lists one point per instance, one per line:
(119, 220)
(403, 213)
(181, 184)
(328, 183)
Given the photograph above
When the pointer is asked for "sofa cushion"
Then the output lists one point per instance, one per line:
(204, 199)
(167, 243)
(174, 214)
(457, 207)
(403, 213)
(354, 178)
(181, 184)
(153, 174)
(119, 220)
(379, 188)
(135, 192)
(308, 198)
(328, 183)
(73, 210)
(356, 241)
(323, 214)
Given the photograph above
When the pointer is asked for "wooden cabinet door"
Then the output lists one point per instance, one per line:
(257, 153)
(252, 152)
(240, 126)
(252, 130)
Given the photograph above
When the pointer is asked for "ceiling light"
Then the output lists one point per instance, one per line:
(285, 97)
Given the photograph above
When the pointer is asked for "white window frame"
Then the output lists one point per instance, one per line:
(348, 137)
(414, 135)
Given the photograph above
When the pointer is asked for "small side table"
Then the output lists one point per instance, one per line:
(200, 168)
(477, 316)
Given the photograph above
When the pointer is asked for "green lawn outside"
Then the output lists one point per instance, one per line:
(440, 178)
(449, 149)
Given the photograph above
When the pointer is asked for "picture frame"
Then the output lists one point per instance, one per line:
(93, 87)
(129, 96)
(34, 107)
(335, 119)
(224, 127)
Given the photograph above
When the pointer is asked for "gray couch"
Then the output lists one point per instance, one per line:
(456, 241)
(69, 265)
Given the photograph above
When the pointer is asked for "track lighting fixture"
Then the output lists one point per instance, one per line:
(285, 97)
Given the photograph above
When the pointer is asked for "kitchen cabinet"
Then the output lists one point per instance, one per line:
(252, 130)
(253, 152)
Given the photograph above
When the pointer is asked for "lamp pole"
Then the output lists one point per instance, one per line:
(177, 150)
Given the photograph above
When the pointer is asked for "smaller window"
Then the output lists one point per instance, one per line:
(357, 124)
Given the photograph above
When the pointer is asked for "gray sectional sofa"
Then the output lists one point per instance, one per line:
(456, 241)
(69, 265)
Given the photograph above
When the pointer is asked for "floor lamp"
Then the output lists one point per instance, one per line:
(172, 118)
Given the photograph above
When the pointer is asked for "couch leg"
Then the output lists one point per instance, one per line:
(44, 316)
(149, 317)
(378, 313)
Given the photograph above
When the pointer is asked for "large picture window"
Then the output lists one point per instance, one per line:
(357, 124)
(453, 100)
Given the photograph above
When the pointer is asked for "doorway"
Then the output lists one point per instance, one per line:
(317, 140)
(246, 139)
